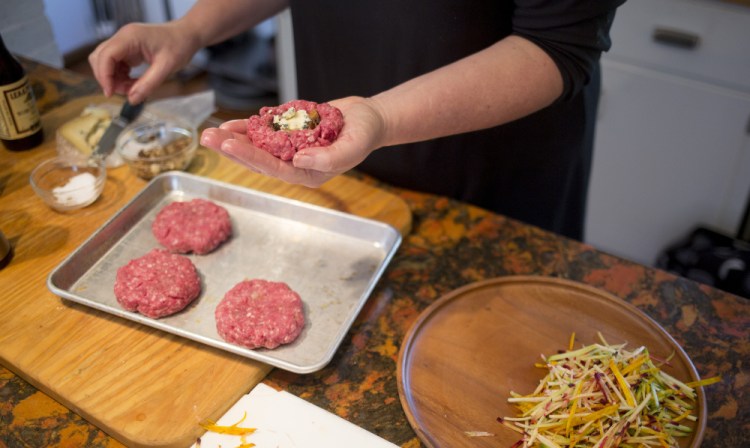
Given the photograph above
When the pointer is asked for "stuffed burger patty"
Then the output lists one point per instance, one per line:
(283, 130)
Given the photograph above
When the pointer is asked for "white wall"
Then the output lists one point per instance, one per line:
(27, 31)
(72, 23)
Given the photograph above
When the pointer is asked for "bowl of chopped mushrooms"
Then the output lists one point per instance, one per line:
(153, 147)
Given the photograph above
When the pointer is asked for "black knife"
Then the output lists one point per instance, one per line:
(106, 144)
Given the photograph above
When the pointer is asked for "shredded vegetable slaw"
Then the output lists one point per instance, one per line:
(601, 396)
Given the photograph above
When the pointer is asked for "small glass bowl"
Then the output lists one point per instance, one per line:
(154, 147)
(68, 183)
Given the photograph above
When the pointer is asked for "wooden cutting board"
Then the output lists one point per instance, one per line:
(143, 386)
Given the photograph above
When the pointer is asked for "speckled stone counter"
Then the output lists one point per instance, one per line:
(451, 244)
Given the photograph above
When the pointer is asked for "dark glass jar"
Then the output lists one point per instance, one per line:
(20, 123)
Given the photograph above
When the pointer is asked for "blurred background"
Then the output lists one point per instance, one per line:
(670, 183)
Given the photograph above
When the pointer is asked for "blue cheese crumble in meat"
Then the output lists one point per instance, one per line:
(295, 120)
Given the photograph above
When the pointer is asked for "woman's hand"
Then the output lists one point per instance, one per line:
(363, 132)
(170, 46)
(165, 47)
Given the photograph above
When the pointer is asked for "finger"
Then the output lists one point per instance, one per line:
(123, 87)
(214, 137)
(313, 160)
(256, 158)
(240, 148)
(235, 159)
(110, 67)
(238, 126)
(334, 159)
(103, 69)
(263, 162)
(153, 77)
(121, 80)
(241, 151)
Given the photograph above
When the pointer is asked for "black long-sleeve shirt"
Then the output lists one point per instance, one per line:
(534, 169)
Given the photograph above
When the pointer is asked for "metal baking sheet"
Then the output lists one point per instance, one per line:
(332, 259)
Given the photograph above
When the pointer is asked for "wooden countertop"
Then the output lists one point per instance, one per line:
(451, 244)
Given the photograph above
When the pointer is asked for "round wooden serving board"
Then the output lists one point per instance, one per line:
(471, 348)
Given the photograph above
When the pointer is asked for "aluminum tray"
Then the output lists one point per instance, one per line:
(332, 259)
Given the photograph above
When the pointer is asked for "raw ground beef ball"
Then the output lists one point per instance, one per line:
(284, 143)
(198, 226)
(260, 313)
(157, 284)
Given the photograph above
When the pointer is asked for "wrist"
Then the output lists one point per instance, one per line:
(385, 136)
(192, 32)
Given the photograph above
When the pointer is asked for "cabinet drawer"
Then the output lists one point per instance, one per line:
(700, 39)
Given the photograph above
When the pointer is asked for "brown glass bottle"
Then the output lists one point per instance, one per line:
(20, 123)
(6, 250)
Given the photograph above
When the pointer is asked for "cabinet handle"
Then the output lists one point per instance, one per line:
(675, 37)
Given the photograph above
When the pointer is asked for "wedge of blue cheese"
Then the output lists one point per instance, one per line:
(85, 131)
(81, 134)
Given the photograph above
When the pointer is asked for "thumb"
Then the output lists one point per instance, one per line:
(314, 160)
(152, 78)
(334, 159)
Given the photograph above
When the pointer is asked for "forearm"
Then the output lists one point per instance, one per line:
(213, 21)
(509, 80)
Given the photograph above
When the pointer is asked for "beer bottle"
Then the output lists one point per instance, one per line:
(20, 123)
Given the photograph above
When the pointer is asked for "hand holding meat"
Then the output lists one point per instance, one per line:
(362, 133)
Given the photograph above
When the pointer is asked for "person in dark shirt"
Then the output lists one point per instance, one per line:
(486, 101)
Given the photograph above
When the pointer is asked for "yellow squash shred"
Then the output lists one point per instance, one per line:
(232, 430)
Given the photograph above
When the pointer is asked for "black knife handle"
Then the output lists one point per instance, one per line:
(130, 112)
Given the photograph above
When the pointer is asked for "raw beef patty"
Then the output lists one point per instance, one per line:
(198, 226)
(260, 313)
(157, 284)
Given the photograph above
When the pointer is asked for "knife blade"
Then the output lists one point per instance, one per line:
(128, 114)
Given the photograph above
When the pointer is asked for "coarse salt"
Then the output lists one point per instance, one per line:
(80, 189)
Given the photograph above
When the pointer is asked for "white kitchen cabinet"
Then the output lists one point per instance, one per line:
(672, 148)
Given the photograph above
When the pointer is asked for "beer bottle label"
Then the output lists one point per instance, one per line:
(19, 116)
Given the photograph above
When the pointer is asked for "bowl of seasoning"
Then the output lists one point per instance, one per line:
(153, 147)
(68, 183)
